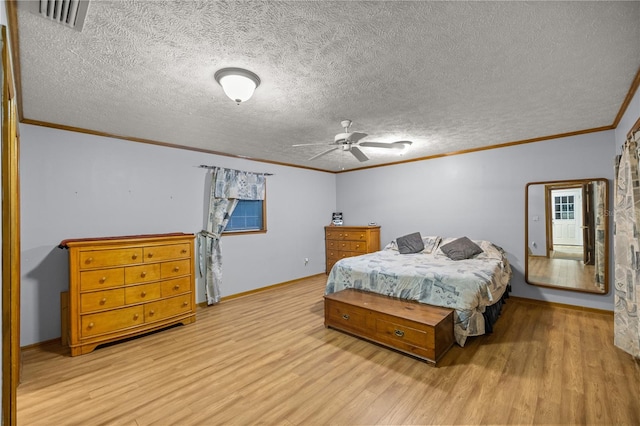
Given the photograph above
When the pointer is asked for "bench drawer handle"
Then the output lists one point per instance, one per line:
(345, 316)
(399, 333)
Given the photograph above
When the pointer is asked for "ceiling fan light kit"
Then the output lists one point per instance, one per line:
(350, 141)
(238, 84)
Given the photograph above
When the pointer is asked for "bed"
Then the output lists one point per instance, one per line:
(475, 286)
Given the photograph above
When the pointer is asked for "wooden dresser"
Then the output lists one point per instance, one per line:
(347, 241)
(125, 286)
(420, 330)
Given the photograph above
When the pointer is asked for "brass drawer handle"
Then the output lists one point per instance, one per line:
(345, 316)
(399, 333)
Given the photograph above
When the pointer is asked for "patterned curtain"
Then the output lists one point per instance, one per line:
(599, 212)
(627, 248)
(227, 187)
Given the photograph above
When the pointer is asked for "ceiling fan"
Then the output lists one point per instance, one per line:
(349, 141)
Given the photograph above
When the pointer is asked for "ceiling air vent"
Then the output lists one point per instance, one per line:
(70, 13)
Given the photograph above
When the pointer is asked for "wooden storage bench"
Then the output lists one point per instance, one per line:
(420, 330)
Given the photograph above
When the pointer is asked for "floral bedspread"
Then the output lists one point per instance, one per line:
(467, 286)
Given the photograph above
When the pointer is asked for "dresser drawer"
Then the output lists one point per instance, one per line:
(110, 321)
(104, 278)
(334, 255)
(354, 236)
(359, 247)
(175, 269)
(142, 273)
(353, 246)
(175, 286)
(345, 235)
(333, 244)
(100, 300)
(344, 245)
(333, 235)
(156, 311)
(173, 251)
(115, 257)
(348, 317)
(141, 293)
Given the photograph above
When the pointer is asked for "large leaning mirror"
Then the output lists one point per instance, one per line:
(567, 234)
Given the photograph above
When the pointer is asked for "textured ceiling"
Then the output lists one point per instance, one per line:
(448, 76)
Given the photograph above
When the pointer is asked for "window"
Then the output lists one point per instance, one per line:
(564, 207)
(248, 216)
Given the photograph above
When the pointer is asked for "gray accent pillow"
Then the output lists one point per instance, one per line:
(460, 249)
(411, 243)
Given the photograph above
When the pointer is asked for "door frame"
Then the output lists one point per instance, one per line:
(10, 156)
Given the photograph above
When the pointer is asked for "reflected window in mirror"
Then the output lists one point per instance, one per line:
(567, 234)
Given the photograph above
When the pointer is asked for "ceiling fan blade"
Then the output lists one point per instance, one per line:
(394, 145)
(311, 144)
(358, 154)
(355, 137)
(323, 153)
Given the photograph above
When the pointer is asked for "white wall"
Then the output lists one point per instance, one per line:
(480, 195)
(75, 186)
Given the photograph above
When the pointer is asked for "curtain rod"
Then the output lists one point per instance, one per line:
(204, 166)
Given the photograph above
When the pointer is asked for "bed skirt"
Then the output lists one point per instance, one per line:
(492, 312)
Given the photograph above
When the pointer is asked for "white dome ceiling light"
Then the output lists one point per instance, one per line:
(238, 84)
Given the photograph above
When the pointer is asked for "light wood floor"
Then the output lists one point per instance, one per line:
(267, 358)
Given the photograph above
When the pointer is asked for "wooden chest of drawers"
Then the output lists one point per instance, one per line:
(125, 286)
(347, 241)
(420, 330)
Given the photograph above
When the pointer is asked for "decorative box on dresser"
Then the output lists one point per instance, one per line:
(121, 287)
(348, 241)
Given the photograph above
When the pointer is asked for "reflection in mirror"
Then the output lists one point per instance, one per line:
(567, 234)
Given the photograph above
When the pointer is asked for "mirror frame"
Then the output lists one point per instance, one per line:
(606, 240)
